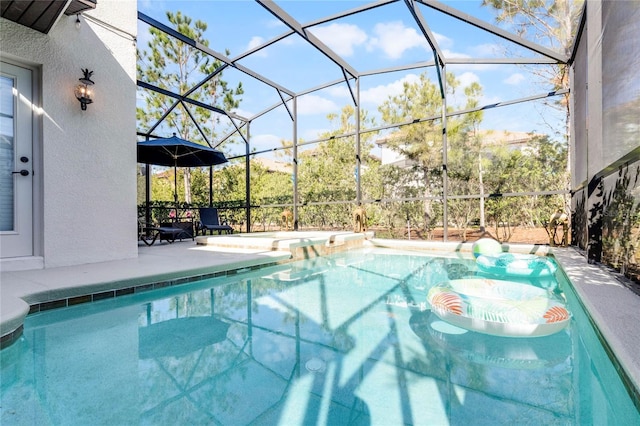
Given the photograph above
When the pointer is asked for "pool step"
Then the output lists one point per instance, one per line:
(302, 245)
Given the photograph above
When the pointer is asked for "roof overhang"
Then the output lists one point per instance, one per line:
(41, 15)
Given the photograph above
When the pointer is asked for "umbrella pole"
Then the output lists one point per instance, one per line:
(147, 193)
(175, 188)
(210, 186)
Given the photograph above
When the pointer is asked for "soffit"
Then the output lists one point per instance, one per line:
(41, 15)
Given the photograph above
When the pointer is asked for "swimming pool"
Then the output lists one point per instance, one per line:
(342, 339)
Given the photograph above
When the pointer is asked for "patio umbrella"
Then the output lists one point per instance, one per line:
(178, 152)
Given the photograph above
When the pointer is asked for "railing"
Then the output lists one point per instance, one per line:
(186, 215)
(513, 222)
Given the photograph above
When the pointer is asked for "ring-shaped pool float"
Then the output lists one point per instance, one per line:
(499, 308)
(549, 352)
(517, 265)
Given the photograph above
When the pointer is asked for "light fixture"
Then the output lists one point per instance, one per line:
(82, 91)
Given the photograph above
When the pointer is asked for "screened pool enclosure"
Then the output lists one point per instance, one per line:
(443, 120)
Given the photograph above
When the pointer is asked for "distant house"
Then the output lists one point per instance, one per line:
(389, 156)
(512, 140)
(489, 138)
(273, 165)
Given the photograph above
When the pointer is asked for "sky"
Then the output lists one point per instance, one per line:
(376, 39)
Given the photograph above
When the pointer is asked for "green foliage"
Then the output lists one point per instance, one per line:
(552, 22)
(167, 211)
(422, 143)
(267, 187)
(539, 167)
(175, 66)
(328, 172)
(141, 184)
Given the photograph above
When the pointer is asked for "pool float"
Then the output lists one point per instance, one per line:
(499, 308)
(552, 353)
(519, 265)
(486, 246)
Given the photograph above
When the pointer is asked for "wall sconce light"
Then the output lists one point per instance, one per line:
(82, 91)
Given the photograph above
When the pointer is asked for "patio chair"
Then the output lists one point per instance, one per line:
(210, 221)
(184, 230)
(148, 233)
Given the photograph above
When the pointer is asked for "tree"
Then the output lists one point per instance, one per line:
(328, 172)
(552, 23)
(175, 66)
(465, 162)
(268, 186)
(538, 167)
(421, 143)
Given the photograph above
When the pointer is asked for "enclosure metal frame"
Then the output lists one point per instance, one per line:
(351, 77)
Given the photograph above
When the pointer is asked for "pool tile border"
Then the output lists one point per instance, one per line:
(109, 294)
(11, 337)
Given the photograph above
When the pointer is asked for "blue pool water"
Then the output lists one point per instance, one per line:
(344, 339)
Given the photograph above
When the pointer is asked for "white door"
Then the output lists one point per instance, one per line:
(16, 162)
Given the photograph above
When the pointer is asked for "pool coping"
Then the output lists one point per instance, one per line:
(610, 304)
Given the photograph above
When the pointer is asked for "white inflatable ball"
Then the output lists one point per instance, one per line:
(486, 246)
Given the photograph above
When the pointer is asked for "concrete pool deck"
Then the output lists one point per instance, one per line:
(612, 305)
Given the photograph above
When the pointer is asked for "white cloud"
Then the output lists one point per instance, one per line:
(486, 50)
(490, 100)
(443, 41)
(255, 42)
(339, 91)
(275, 23)
(478, 51)
(394, 38)
(514, 79)
(459, 99)
(341, 38)
(265, 141)
(378, 94)
(467, 78)
(243, 113)
(313, 104)
(313, 134)
(151, 5)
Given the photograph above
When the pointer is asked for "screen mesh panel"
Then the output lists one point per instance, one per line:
(620, 83)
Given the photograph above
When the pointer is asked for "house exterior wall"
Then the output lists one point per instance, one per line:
(85, 161)
(606, 144)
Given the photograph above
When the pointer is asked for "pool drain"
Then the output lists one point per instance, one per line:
(315, 365)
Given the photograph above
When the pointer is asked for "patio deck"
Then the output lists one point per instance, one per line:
(614, 308)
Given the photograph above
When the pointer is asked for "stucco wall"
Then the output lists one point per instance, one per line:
(606, 123)
(87, 202)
